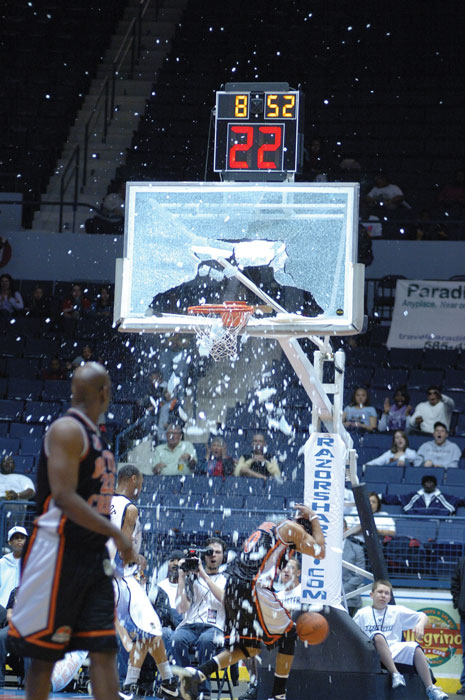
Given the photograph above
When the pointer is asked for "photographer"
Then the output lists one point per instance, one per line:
(200, 598)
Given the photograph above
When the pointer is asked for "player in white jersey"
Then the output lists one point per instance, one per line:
(384, 624)
(291, 591)
(137, 623)
(254, 615)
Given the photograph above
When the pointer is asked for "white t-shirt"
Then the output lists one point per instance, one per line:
(205, 608)
(291, 598)
(170, 590)
(385, 193)
(15, 482)
(175, 466)
(391, 621)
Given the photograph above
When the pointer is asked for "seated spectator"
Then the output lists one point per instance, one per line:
(399, 454)
(291, 590)
(5, 616)
(55, 370)
(352, 553)
(385, 525)
(316, 162)
(453, 193)
(385, 195)
(440, 452)
(102, 304)
(359, 415)
(86, 355)
(217, 462)
(175, 457)
(38, 305)
(14, 486)
(10, 565)
(11, 300)
(259, 464)
(424, 229)
(429, 500)
(384, 624)
(77, 305)
(438, 408)
(395, 415)
(110, 219)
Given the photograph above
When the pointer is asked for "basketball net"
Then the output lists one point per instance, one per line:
(218, 338)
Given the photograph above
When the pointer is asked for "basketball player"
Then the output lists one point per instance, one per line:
(137, 622)
(253, 611)
(65, 599)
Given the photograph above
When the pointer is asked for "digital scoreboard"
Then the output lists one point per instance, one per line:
(258, 134)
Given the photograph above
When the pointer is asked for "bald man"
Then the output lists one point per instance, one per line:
(65, 599)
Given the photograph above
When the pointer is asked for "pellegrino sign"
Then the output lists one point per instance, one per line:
(324, 493)
(442, 637)
(428, 314)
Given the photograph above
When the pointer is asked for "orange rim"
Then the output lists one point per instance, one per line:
(233, 313)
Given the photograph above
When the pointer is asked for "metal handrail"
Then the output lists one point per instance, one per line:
(64, 182)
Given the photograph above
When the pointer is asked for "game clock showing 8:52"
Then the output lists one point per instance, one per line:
(257, 131)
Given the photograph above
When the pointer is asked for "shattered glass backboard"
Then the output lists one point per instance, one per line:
(296, 242)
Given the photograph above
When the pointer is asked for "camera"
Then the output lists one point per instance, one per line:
(192, 556)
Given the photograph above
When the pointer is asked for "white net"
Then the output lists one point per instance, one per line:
(219, 337)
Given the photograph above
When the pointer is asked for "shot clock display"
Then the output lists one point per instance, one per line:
(257, 131)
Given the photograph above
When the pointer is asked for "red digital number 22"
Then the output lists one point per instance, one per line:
(269, 164)
(262, 164)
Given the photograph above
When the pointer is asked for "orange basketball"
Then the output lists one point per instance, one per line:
(312, 628)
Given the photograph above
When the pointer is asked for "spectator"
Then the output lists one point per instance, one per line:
(290, 594)
(384, 624)
(169, 585)
(384, 524)
(438, 408)
(199, 598)
(102, 304)
(87, 355)
(394, 415)
(424, 229)
(316, 163)
(457, 589)
(10, 564)
(359, 415)
(110, 219)
(399, 455)
(429, 500)
(55, 370)
(5, 616)
(453, 193)
(175, 457)
(440, 452)
(14, 486)
(352, 552)
(38, 305)
(11, 300)
(217, 462)
(385, 194)
(260, 464)
(77, 305)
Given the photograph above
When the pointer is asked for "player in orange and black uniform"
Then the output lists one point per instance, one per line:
(254, 615)
(65, 600)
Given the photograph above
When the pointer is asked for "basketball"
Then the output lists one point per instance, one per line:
(312, 628)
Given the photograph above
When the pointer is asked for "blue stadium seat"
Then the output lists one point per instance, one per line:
(439, 359)
(365, 454)
(3, 387)
(11, 409)
(30, 445)
(24, 464)
(41, 347)
(423, 378)
(389, 475)
(450, 531)
(19, 388)
(202, 522)
(4, 429)
(26, 430)
(404, 358)
(424, 530)
(25, 367)
(376, 486)
(414, 475)
(382, 441)
(41, 411)
(9, 446)
(12, 345)
(402, 489)
(389, 379)
(56, 390)
(162, 484)
(454, 477)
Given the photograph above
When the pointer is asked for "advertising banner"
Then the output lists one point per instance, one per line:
(324, 494)
(428, 314)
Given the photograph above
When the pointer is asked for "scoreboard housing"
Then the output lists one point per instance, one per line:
(258, 131)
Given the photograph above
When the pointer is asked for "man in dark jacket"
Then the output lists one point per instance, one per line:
(457, 589)
(428, 500)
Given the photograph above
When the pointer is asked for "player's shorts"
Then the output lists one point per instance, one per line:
(254, 615)
(65, 600)
(134, 610)
(402, 652)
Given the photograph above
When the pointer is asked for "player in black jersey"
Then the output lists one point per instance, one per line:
(65, 599)
(254, 615)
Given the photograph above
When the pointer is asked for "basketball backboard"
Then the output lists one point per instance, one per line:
(295, 241)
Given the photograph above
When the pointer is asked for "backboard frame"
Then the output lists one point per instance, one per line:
(280, 326)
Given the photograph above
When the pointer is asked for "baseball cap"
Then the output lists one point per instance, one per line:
(15, 531)
(429, 477)
(176, 554)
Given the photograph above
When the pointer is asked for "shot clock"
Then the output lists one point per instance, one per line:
(257, 131)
